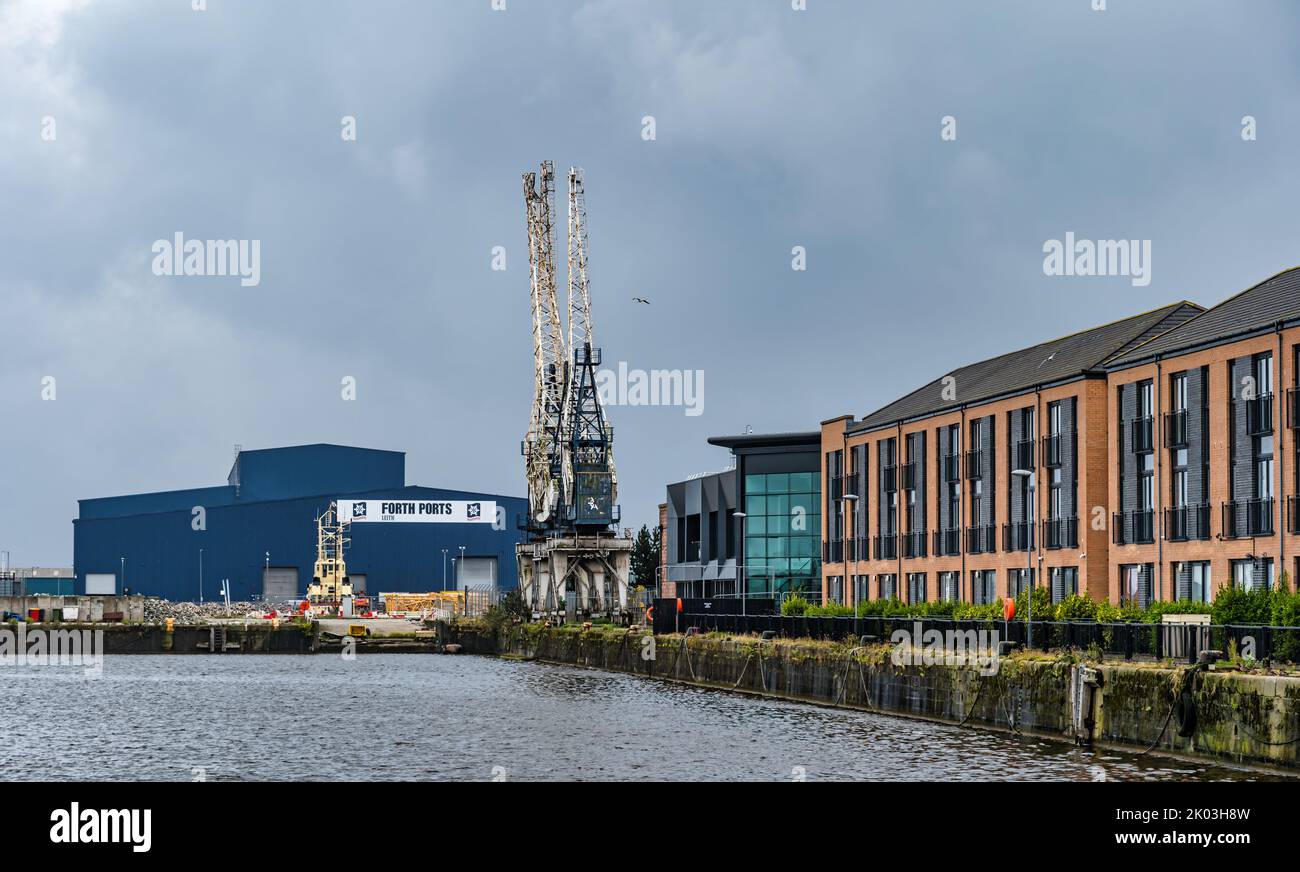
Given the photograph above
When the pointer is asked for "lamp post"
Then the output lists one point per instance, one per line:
(123, 559)
(742, 590)
(1028, 475)
(444, 569)
(200, 575)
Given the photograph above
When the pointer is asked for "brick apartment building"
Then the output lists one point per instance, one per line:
(1159, 453)
(1204, 470)
(920, 497)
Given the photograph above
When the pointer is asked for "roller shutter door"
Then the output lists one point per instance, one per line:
(101, 583)
(476, 572)
(280, 583)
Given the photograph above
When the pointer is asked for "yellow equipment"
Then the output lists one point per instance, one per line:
(330, 582)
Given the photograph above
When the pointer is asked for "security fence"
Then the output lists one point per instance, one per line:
(1181, 642)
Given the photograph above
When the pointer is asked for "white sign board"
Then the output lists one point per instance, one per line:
(418, 511)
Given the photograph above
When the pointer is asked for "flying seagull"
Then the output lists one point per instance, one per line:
(640, 300)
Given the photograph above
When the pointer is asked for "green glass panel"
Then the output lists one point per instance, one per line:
(755, 484)
(802, 546)
(802, 482)
(778, 505)
(778, 546)
(755, 526)
(778, 483)
(755, 506)
(805, 503)
(755, 549)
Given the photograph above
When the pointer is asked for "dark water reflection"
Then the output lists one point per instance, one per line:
(427, 717)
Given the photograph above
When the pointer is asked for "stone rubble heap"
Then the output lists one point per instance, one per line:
(158, 610)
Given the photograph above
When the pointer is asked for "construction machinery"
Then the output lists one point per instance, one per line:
(574, 557)
(330, 586)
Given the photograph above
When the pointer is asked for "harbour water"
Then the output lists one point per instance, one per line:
(425, 717)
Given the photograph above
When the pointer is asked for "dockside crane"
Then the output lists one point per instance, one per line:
(574, 547)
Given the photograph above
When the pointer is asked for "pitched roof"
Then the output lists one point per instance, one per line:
(1258, 307)
(1046, 363)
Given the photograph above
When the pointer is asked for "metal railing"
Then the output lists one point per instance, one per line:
(1061, 533)
(951, 467)
(914, 545)
(1141, 427)
(889, 477)
(1133, 528)
(1242, 518)
(947, 543)
(1184, 523)
(909, 475)
(1024, 454)
(1052, 450)
(974, 463)
(1176, 429)
(1018, 536)
(1293, 408)
(885, 548)
(1259, 415)
(981, 539)
(833, 551)
(1293, 514)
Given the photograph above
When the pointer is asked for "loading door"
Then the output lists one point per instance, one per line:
(280, 583)
(477, 572)
(358, 580)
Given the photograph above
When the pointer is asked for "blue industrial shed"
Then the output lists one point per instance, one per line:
(149, 544)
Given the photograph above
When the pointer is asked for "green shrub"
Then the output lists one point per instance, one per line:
(794, 604)
(830, 610)
(1075, 608)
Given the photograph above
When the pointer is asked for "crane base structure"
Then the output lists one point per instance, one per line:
(593, 570)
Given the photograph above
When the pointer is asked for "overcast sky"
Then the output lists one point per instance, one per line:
(774, 128)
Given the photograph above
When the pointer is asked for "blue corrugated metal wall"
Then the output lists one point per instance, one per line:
(153, 531)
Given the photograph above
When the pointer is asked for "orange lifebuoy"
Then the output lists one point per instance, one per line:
(650, 615)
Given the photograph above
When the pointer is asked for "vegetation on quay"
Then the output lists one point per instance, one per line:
(1279, 607)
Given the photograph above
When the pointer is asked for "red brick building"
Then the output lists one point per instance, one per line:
(1158, 453)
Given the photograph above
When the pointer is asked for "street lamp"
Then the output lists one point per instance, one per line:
(123, 576)
(740, 564)
(200, 575)
(459, 569)
(1028, 475)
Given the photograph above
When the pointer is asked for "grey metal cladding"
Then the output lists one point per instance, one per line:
(1243, 461)
(1128, 460)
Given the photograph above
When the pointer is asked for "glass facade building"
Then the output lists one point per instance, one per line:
(782, 532)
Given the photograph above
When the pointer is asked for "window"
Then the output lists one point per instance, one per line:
(782, 533)
(1135, 584)
(1018, 580)
(835, 588)
(1192, 581)
(916, 592)
(861, 590)
(983, 585)
(1178, 391)
(950, 587)
(1065, 582)
(888, 586)
(977, 502)
(1253, 574)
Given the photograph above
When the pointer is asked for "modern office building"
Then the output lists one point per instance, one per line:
(942, 494)
(768, 499)
(258, 530)
(1204, 471)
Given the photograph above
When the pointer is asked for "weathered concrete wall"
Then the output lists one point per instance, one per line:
(154, 638)
(90, 608)
(1241, 718)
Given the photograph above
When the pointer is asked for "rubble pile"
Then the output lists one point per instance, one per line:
(159, 610)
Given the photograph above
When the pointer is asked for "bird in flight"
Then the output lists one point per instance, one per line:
(641, 300)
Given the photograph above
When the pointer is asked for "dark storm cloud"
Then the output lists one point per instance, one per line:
(775, 128)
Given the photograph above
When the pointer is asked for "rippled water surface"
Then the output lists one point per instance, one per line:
(428, 717)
